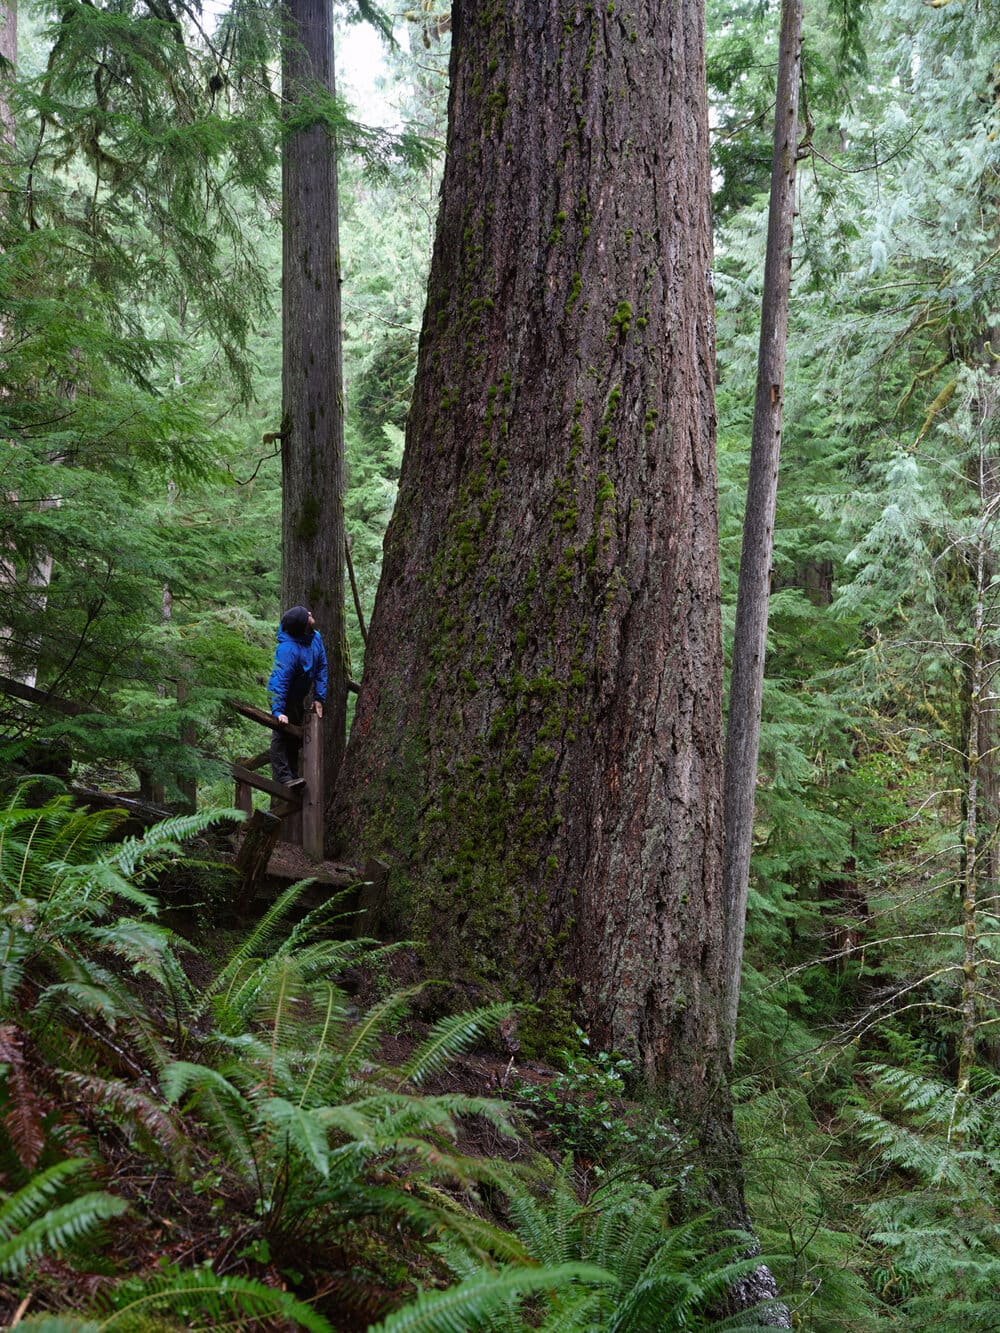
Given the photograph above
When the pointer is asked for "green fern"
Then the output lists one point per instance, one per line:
(297, 1098)
(33, 1224)
(450, 1037)
(657, 1275)
(364, 1036)
(57, 851)
(193, 1300)
(228, 1113)
(476, 1302)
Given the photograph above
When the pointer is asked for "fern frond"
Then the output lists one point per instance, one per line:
(16, 945)
(641, 1215)
(681, 1282)
(331, 1025)
(451, 1105)
(166, 836)
(23, 1117)
(469, 1234)
(577, 1312)
(85, 996)
(932, 1103)
(546, 1242)
(366, 1033)
(320, 919)
(401, 1114)
(133, 1107)
(303, 1129)
(183, 1076)
(32, 836)
(220, 1300)
(62, 1225)
(470, 1304)
(624, 1233)
(59, 1323)
(930, 1158)
(259, 939)
(140, 943)
(223, 1105)
(94, 886)
(450, 1037)
(17, 1209)
(389, 1135)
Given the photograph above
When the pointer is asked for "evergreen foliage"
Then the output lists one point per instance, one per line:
(138, 263)
(860, 941)
(617, 1262)
(138, 259)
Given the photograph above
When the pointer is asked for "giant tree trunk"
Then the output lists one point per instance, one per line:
(536, 748)
(312, 431)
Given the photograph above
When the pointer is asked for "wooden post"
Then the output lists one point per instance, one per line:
(291, 824)
(312, 797)
(259, 840)
(244, 791)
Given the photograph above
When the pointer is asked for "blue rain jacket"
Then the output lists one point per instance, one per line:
(297, 666)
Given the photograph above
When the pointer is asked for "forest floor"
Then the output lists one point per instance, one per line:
(188, 1208)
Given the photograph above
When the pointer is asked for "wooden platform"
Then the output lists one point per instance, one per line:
(289, 863)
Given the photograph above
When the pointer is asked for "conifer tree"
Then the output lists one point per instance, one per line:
(312, 421)
(8, 65)
(750, 638)
(537, 740)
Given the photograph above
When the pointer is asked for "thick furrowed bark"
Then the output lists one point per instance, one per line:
(537, 742)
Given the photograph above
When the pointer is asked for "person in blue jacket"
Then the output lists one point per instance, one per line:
(299, 666)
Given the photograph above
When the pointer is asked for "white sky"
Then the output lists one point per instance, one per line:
(360, 64)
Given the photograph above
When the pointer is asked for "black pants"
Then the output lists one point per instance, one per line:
(285, 749)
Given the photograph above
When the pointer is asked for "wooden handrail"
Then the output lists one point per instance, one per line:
(265, 719)
(272, 788)
(255, 761)
(308, 801)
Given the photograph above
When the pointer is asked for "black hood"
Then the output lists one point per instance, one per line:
(295, 622)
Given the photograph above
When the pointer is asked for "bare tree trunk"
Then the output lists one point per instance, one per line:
(750, 641)
(312, 431)
(979, 704)
(37, 580)
(970, 886)
(8, 53)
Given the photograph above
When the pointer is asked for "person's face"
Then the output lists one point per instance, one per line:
(312, 620)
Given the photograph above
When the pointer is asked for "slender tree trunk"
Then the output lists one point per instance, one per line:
(970, 884)
(37, 580)
(749, 644)
(537, 743)
(8, 52)
(312, 432)
(979, 762)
